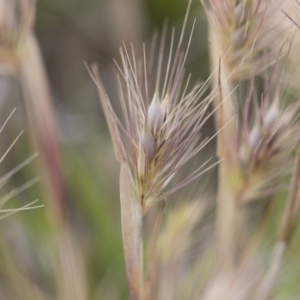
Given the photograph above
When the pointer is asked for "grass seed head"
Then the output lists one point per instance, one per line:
(155, 115)
(266, 145)
(162, 134)
(243, 32)
(16, 20)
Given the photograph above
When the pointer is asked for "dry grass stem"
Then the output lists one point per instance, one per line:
(40, 115)
(209, 248)
(238, 32)
(289, 219)
(20, 55)
(131, 231)
(160, 134)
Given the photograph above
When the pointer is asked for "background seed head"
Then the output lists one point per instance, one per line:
(16, 19)
(265, 148)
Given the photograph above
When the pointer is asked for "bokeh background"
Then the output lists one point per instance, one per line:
(71, 33)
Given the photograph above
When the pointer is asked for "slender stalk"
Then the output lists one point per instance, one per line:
(42, 123)
(131, 212)
(289, 219)
(70, 274)
(270, 279)
(292, 206)
(227, 211)
(152, 274)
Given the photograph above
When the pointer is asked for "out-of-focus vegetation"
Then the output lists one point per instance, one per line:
(70, 33)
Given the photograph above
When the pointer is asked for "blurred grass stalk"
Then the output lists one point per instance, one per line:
(20, 55)
(40, 116)
(284, 236)
(229, 219)
(239, 48)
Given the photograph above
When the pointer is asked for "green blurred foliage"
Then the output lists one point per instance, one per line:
(71, 32)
